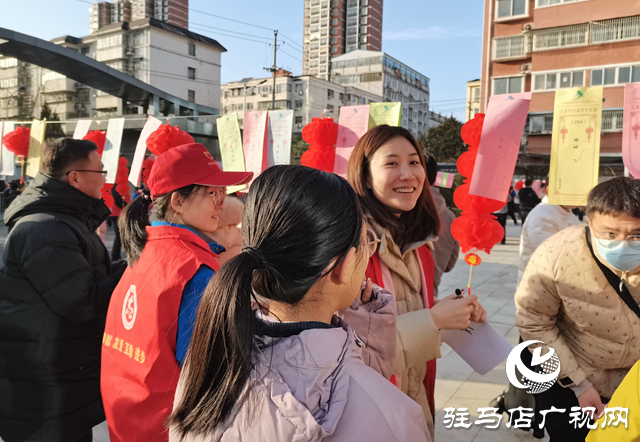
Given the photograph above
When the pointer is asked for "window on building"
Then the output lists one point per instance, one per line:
(334, 50)
(615, 75)
(476, 95)
(511, 8)
(334, 31)
(191, 96)
(192, 49)
(8, 62)
(330, 94)
(512, 85)
(298, 104)
(362, 100)
(9, 82)
(508, 47)
(330, 107)
(551, 2)
(557, 80)
(334, 22)
(192, 73)
(298, 120)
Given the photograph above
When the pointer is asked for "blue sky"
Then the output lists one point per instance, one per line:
(440, 39)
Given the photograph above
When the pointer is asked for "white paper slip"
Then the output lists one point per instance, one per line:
(483, 349)
(82, 129)
(111, 153)
(150, 126)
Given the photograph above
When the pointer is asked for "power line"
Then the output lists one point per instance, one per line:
(230, 31)
(290, 55)
(291, 40)
(232, 36)
(229, 19)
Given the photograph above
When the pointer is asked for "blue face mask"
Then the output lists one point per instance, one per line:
(619, 254)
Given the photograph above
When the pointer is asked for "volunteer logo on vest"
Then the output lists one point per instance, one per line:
(547, 365)
(130, 308)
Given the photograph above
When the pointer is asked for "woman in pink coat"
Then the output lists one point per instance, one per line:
(293, 370)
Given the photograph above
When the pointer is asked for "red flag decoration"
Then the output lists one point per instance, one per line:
(99, 137)
(322, 135)
(476, 228)
(17, 141)
(166, 137)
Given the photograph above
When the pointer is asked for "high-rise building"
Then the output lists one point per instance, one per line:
(175, 12)
(335, 27)
(543, 46)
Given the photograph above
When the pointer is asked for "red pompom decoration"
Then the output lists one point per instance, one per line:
(106, 194)
(147, 165)
(479, 231)
(122, 180)
(466, 162)
(17, 141)
(99, 137)
(519, 185)
(166, 137)
(322, 135)
(472, 131)
(475, 204)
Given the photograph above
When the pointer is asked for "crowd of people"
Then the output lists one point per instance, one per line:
(306, 309)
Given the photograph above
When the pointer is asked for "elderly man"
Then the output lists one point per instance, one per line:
(54, 293)
(579, 295)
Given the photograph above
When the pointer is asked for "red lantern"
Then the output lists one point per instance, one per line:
(147, 165)
(564, 131)
(99, 137)
(475, 204)
(17, 141)
(519, 185)
(322, 135)
(122, 180)
(472, 131)
(106, 194)
(589, 132)
(479, 231)
(166, 137)
(635, 128)
(466, 162)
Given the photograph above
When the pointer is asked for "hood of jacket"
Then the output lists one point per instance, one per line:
(45, 194)
(441, 203)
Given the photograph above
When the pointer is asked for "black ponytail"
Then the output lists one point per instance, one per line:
(296, 221)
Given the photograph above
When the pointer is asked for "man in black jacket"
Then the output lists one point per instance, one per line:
(54, 294)
(528, 200)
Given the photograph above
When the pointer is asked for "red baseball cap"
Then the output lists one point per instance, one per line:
(190, 164)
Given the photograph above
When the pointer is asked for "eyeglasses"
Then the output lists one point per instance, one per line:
(218, 195)
(103, 172)
(372, 242)
(633, 240)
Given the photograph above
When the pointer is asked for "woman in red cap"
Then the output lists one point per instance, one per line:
(152, 311)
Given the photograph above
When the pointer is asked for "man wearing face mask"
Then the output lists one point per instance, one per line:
(579, 295)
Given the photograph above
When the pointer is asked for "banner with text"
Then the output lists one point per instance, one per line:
(499, 145)
(111, 152)
(254, 141)
(631, 129)
(575, 145)
(385, 113)
(231, 146)
(8, 158)
(353, 123)
(280, 128)
(150, 126)
(35, 147)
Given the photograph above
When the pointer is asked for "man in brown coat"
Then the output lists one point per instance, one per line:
(580, 295)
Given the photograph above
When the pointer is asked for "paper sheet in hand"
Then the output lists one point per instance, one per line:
(483, 349)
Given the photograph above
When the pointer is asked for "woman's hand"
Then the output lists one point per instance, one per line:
(591, 398)
(453, 312)
(479, 313)
(365, 295)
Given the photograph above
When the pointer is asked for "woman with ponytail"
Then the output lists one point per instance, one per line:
(152, 310)
(291, 370)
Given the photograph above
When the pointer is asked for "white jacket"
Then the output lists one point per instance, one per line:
(544, 221)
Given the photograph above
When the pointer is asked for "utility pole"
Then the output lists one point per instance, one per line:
(274, 68)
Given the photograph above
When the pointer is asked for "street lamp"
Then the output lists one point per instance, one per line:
(245, 81)
(20, 88)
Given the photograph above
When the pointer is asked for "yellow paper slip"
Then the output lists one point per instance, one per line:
(385, 113)
(575, 145)
(35, 147)
(231, 146)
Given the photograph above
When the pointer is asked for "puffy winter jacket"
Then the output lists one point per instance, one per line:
(565, 301)
(54, 294)
(329, 394)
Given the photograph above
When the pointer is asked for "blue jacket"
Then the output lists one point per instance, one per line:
(193, 291)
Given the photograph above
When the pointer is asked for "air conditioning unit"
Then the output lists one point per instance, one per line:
(300, 126)
(528, 27)
(264, 95)
(129, 51)
(525, 68)
(300, 92)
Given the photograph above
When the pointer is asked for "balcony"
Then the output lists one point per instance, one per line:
(615, 30)
(612, 120)
(509, 48)
(560, 38)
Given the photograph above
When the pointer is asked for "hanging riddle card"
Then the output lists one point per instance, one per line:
(35, 147)
(280, 127)
(7, 166)
(385, 113)
(353, 123)
(444, 179)
(82, 128)
(150, 126)
(575, 145)
(231, 146)
(499, 145)
(253, 142)
(111, 152)
(631, 129)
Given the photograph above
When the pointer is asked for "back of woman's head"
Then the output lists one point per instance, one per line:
(296, 221)
(411, 226)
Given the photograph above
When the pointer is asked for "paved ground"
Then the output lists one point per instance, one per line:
(457, 385)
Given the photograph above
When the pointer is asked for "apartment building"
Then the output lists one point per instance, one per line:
(383, 75)
(173, 59)
(175, 12)
(473, 99)
(335, 27)
(546, 45)
(308, 96)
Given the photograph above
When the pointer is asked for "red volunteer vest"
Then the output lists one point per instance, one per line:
(139, 368)
(379, 275)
